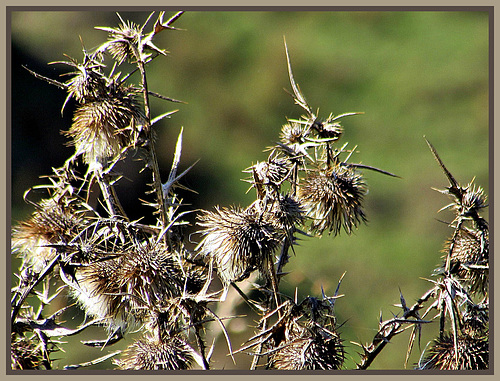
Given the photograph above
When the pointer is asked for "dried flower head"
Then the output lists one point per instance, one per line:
(105, 126)
(333, 199)
(123, 42)
(308, 350)
(271, 173)
(87, 82)
(122, 288)
(305, 337)
(470, 256)
(473, 354)
(472, 201)
(238, 241)
(293, 133)
(150, 354)
(52, 223)
(288, 212)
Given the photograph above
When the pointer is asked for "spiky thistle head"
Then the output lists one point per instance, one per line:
(333, 199)
(123, 41)
(152, 354)
(238, 241)
(307, 350)
(473, 200)
(289, 212)
(122, 288)
(469, 354)
(307, 338)
(293, 133)
(469, 254)
(103, 127)
(328, 128)
(87, 82)
(53, 222)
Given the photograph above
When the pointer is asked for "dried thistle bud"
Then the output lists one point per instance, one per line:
(87, 82)
(333, 199)
(306, 350)
(289, 212)
(473, 354)
(123, 42)
(51, 223)
(238, 241)
(306, 338)
(293, 133)
(470, 256)
(472, 201)
(269, 175)
(150, 354)
(105, 126)
(122, 289)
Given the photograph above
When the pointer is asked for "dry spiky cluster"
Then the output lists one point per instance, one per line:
(333, 199)
(109, 116)
(325, 194)
(126, 274)
(239, 241)
(463, 289)
(304, 337)
(122, 273)
(150, 354)
(465, 353)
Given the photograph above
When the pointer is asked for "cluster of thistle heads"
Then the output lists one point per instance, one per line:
(126, 274)
(461, 293)
(122, 273)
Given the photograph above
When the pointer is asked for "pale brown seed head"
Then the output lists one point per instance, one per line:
(473, 354)
(152, 354)
(333, 199)
(238, 241)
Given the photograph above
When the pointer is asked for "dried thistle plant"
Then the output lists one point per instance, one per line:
(127, 275)
(460, 295)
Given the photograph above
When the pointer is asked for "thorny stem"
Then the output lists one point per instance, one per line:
(112, 202)
(201, 347)
(383, 337)
(152, 160)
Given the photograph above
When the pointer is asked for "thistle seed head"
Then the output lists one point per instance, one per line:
(333, 199)
(150, 354)
(306, 338)
(288, 212)
(87, 82)
(122, 289)
(238, 241)
(309, 351)
(470, 254)
(472, 201)
(327, 129)
(103, 127)
(51, 223)
(123, 42)
(272, 172)
(473, 354)
(293, 133)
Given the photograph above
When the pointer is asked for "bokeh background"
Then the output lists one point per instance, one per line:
(412, 74)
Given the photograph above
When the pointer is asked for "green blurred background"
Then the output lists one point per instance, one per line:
(411, 73)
